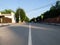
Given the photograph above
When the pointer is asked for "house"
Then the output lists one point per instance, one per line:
(7, 18)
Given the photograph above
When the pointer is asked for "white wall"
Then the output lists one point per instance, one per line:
(12, 16)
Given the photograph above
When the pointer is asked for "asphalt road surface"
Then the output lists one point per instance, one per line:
(30, 34)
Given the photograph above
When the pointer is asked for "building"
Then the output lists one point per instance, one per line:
(7, 18)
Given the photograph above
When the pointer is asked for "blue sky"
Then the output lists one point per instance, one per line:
(27, 5)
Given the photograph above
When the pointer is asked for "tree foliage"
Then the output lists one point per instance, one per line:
(33, 20)
(53, 12)
(17, 15)
(21, 13)
(7, 11)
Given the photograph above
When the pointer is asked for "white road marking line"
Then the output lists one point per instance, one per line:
(29, 38)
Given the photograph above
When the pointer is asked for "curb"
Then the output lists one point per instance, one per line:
(2, 25)
(54, 24)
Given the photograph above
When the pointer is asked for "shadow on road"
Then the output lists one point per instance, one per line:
(21, 32)
(14, 35)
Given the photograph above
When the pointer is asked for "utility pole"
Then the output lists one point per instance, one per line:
(19, 15)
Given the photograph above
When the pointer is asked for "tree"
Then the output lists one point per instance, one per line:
(53, 7)
(38, 19)
(17, 15)
(33, 20)
(20, 13)
(58, 4)
(7, 11)
(27, 19)
(52, 13)
(23, 16)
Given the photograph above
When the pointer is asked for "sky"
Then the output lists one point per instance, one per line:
(31, 7)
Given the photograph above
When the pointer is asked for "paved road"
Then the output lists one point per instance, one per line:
(46, 35)
(14, 35)
(30, 34)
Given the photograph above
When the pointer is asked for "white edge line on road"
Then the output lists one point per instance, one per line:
(29, 37)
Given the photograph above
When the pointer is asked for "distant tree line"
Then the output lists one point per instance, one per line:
(53, 12)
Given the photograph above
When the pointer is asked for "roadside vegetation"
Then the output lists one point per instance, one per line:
(52, 13)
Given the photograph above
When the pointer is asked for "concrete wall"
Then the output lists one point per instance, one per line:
(53, 20)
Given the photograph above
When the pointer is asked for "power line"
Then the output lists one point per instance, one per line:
(41, 7)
